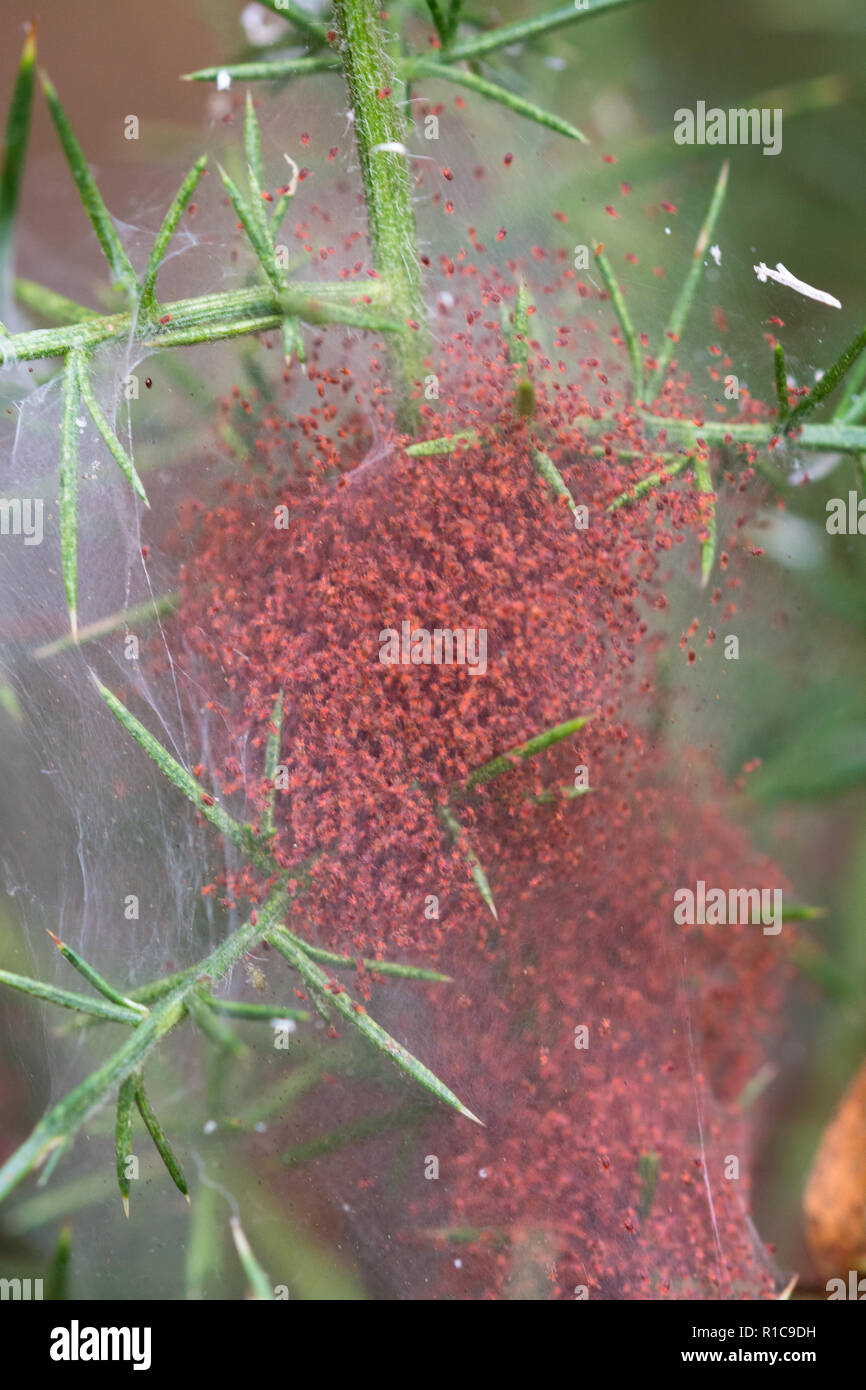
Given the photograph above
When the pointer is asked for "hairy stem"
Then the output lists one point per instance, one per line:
(210, 317)
(380, 133)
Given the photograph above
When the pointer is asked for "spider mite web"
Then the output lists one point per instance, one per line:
(599, 1169)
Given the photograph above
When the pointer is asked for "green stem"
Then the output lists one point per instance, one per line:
(210, 317)
(844, 438)
(71, 1112)
(379, 128)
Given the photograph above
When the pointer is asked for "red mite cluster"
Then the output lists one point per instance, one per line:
(603, 1167)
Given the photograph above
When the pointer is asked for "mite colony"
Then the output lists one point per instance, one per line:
(601, 1170)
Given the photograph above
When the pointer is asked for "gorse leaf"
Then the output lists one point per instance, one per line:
(123, 1138)
(146, 611)
(849, 404)
(518, 337)
(49, 304)
(255, 226)
(309, 26)
(476, 868)
(439, 19)
(237, 834)
(57, 1278)
(158, 1135)
(685, 298)
(257, 1013)
(829, 381)
(651, 480)
(412, 68)
(68, 483)
(505, 762)
(166, 232)
(15, 138)
(355, 1014)
(522, 29)
(253, 148)
(446, 444)
(122, 272)
(94, 978)
(213, 1028)
(68, 999)
(272, 758)
(708, 545)
(622, 313)
(260, 1286)
(115, 448)
(547, 469)
(381, 967)
(265, 71)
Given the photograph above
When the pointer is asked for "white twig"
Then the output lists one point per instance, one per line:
(784, 277)
(296, 174)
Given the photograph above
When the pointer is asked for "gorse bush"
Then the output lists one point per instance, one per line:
(413, 642)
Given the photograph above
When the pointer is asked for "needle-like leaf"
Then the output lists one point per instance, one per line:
(49, 304)
(412, 68)
(652, 480)
(255, 226)
(68, 999)
(829, 381)
(381, 967)
(57, 1278)
(439, 19)
(213, 1027)
(100, 420)
(237, 1008)
(518, 333)
(122, 272)
(15, 138)
(253, 148)
(708, 511)
(68, 484)
(123, 1137)
(166, 232)
(272, 758)
(94, 978)
(293, 342)
(547, 469)
(683, 304)
(445, 444)
(158, 1135)
(355, 1014)
(237, 834)
(143, 612)
(622, 313)
(308, 26)
(522, 29)
(260, 1285)
(505, 762)
(847, 409)
(265, 71)
(457, 836)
